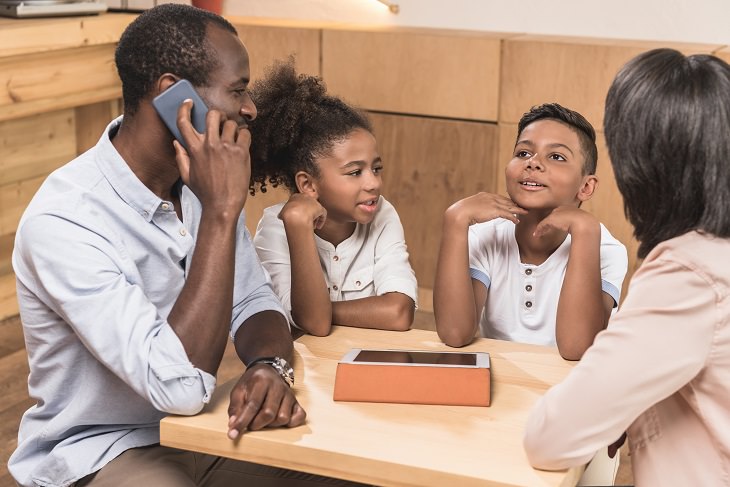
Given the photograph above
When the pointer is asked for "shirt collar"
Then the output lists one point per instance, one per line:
(121, 178)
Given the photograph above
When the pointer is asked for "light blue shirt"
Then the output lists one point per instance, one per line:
(100, 261)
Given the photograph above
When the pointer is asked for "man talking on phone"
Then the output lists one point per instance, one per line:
(134, 267)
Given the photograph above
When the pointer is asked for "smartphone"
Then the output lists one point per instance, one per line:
(168, 102)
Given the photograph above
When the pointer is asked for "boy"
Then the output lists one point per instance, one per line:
(532, 267)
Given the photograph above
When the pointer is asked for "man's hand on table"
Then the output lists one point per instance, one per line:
(262, 399)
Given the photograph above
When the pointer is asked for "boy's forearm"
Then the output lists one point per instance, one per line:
(453, 296)
(391, 311)
(581, 311)
(310, 301)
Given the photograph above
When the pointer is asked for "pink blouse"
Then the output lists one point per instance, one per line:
(661, 371)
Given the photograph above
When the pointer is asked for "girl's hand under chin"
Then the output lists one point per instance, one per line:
(303, 209)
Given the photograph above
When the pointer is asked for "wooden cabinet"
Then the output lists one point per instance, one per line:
(429, 164)
(437, 74)
(575, 72)
(266, 44)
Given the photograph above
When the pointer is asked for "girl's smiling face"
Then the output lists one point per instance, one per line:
(349, 180)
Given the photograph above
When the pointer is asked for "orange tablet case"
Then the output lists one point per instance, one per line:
(404, 383)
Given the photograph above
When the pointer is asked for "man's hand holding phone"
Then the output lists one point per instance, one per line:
(216, 164)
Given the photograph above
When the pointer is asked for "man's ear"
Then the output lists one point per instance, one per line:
(590, 184)
(306, 184)
(164, 82)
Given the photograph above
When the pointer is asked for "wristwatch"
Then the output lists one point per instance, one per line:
(281, 366)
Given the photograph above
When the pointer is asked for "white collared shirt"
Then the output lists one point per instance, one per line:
(371, 262)
(522, 303)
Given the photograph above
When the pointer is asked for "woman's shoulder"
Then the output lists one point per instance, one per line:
(697, 252)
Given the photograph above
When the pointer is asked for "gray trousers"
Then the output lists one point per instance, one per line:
(161, 466)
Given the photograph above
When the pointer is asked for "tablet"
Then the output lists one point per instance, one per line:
(414, 377)
(418, 357)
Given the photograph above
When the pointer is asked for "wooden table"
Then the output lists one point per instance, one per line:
(393, 444)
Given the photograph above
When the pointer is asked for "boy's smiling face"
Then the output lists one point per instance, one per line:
(546, 170)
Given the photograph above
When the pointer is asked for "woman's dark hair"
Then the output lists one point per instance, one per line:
(667, 127)
(297, 122)
(574, 120)
(170, 38)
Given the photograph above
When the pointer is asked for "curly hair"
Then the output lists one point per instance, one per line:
(297, 122)
(582, 127)
(170, 38)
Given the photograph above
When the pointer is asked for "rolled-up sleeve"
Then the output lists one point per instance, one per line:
(392, 271)
(79, 272)
(614, 264)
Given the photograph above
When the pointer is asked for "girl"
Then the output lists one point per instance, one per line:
(662, 367)
(335, 250)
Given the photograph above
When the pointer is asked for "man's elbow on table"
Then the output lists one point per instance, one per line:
(184, 396)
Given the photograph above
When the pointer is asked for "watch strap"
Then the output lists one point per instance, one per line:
(279, 364)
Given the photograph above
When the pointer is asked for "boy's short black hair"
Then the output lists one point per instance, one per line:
(574, 120)
(297, 122)
(667, 127)
(170, 38)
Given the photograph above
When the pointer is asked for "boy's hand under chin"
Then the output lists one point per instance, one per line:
(569, 219)
(483, 207)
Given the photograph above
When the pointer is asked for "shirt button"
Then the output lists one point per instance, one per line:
(336, 258)
(528, 304)
(165, 206)
(357, 283)
(528, 288)
(183, 232)
(528, 271)
(335, 287)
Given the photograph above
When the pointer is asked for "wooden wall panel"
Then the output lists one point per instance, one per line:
(267, 44)
(573, 72)
(14, 197)
(8, 302)
(455, 76)
(52, 34)
(723, 54)
(430, 164)
(34, 146)
(6, 250)
(91, 120)
(606, 203)
(33, 83)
